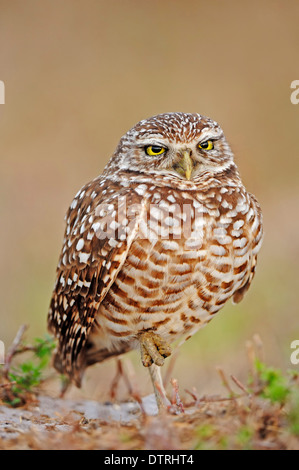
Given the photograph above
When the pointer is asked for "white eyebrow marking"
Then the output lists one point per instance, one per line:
(152, 141)
(209, 133)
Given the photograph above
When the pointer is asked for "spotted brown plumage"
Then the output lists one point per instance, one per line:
(158, 243)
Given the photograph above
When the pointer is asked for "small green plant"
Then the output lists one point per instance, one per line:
(244, 437)
(293, 413)
(273, 385)
(27, 375)
(204, 433)
(293, 404)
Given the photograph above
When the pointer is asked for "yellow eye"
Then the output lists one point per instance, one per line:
(154, 150)
(207, 145)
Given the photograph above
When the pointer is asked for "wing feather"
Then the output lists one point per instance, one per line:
(100, 228)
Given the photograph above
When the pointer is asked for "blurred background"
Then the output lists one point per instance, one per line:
(78, 74)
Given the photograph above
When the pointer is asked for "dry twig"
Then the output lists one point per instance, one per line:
(13, 350)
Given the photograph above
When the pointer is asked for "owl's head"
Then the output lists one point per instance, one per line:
(178, 145)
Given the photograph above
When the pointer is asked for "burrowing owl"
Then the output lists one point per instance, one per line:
(154, 246)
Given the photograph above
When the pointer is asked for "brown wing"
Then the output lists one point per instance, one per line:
(101, 224)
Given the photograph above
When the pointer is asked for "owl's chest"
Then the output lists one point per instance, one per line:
(180, 268)
(174, 262)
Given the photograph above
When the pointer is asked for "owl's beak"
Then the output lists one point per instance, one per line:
(185, 165)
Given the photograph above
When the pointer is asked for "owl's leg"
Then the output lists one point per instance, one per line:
(153, 352)
(160, 392)
(116, 379)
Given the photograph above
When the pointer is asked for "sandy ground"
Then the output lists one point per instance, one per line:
(55, 423)
(49, 411)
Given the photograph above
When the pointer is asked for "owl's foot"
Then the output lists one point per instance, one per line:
(153, 349)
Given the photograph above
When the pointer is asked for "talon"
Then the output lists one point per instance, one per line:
(153, 349)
